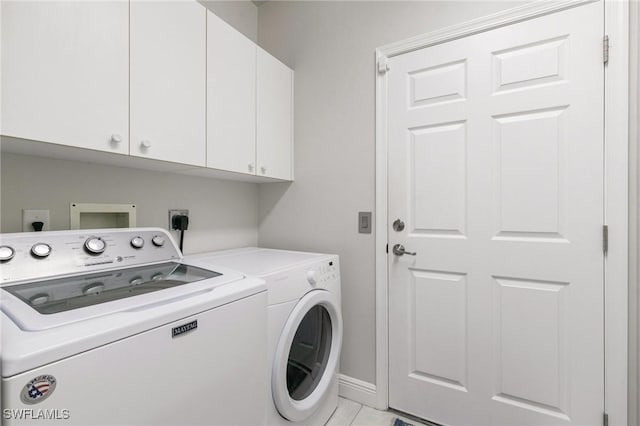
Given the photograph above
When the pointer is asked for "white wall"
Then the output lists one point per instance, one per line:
(223, 214)
(240, 14)
(331, 47)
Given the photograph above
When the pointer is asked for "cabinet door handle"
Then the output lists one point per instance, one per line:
(263, 169)
(115, 138)
(145, 144)
(250, 167)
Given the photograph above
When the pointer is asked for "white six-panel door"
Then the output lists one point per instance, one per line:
(496, 169)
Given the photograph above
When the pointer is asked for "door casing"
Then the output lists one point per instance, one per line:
(616, 111)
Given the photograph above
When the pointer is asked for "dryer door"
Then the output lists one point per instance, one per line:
(307, 354)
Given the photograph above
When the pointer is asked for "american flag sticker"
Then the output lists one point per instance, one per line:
(38, 389)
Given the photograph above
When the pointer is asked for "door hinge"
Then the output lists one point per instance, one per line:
(605, 239)
(605, 419)
(605, 50)
(383, 64)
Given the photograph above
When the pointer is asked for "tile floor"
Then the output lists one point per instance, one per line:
(351, 413)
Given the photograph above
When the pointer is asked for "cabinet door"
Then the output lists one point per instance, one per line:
(168, 72)
(275, 139)
(231, 98)
(65, 73)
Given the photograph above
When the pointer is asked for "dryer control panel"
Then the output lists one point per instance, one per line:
(323, 273)
(40, 255)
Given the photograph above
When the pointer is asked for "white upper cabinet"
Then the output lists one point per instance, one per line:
(274, 118)
(156, 80)
(231, 98)
(65, 73)
(168, 81)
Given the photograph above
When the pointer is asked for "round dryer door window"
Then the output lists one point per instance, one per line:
(307, 355)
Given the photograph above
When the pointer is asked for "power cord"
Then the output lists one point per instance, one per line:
(180, 223)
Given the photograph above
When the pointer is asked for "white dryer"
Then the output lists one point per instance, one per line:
(113, 327)
(305, 328)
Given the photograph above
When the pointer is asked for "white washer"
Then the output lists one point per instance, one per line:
(113, 327)
(305, 329)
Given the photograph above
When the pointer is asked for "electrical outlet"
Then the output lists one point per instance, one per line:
(175, 212)
(30, 216)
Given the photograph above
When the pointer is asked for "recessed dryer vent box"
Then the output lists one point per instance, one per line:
(100, 216)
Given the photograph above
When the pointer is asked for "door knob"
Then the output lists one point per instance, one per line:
(399, 250)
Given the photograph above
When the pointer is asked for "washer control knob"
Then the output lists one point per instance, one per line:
(158, 241)
(95, 245)
(41, 250)
(137, 242)
(312, 277)
(6, 253)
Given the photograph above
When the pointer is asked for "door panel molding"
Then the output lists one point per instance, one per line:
(616, 180)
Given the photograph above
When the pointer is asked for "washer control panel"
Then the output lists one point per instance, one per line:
(39, 255)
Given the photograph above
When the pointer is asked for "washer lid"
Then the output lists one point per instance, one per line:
(54, 302)
(65, 294)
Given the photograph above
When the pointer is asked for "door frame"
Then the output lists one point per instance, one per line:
(616, 195)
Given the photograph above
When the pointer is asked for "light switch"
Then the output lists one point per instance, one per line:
(364, 222)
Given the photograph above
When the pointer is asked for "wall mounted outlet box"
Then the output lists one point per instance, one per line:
(101, 216)
(29, 216)
(182, 212)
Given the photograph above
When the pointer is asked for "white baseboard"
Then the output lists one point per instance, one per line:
(357, 390)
